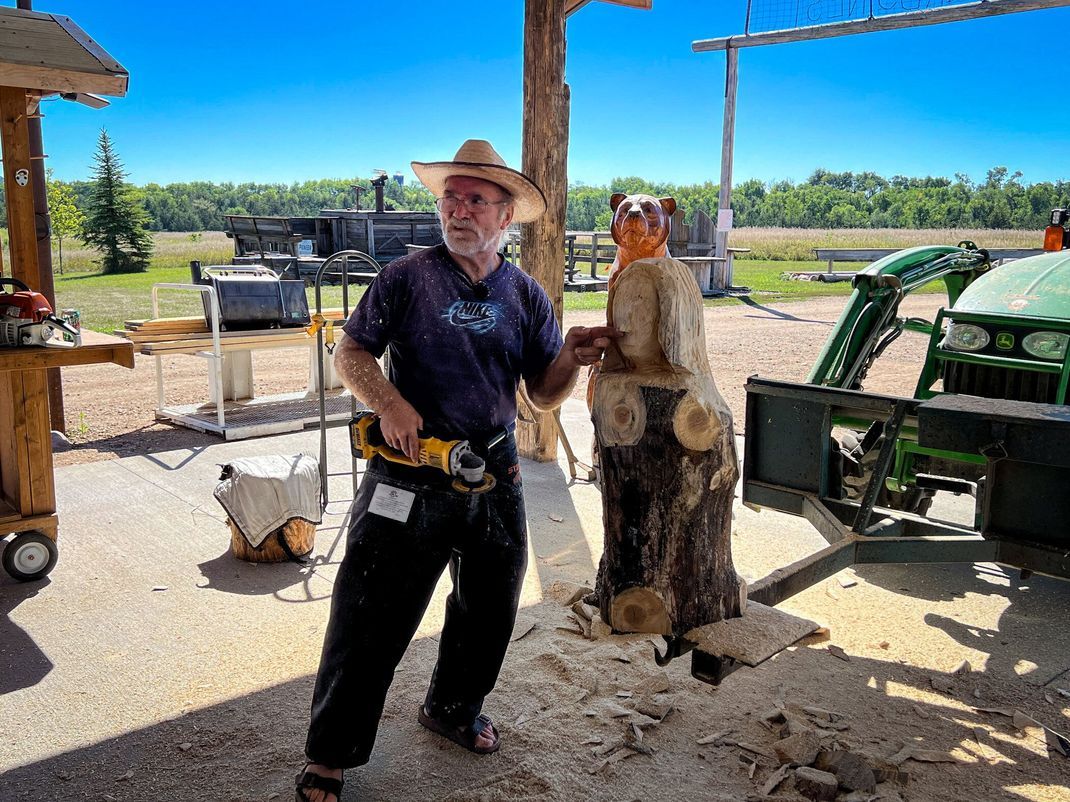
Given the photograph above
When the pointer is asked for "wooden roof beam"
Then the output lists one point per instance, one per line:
(572, 6)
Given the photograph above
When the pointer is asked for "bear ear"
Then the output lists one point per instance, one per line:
(669, 205)
(615, 199)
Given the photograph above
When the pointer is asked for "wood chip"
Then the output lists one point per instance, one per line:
(1063, 692)
(654, 683)
(713, 738)
(962, 668)
(847, 582)
(1049, 698)
(608, 747)
(836, 651)
(775, 779)
(555, 518)
(942, 684)
(752, 765)
(593, 740)
(126, 776)
(625, 694)
(185, 747)
(758, 750)
(822, 713)
(832, 594)
(921, 711)
(1040, 732)
(521, 630)
(584, 610)
(164, 587)
(616, 711)
(932, 756)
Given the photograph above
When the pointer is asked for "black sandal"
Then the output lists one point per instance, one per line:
(463, 736)
(310, 780)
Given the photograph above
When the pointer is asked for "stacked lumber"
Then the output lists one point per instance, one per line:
(188, 335)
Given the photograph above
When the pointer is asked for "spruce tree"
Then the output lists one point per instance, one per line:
(115, 223)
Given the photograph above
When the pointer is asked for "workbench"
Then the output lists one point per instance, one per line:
(27, 484)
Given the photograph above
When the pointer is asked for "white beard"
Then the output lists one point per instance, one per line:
(468, 246)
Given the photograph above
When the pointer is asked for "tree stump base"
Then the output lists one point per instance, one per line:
(668, 461)
(300, 536)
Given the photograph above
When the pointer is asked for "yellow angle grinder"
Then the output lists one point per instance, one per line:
(453, 457)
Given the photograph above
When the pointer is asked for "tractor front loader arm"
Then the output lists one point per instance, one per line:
(870, 321)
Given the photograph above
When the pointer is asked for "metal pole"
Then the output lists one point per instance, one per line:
(728, 136)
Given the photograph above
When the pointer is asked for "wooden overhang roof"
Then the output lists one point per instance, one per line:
(50, 53)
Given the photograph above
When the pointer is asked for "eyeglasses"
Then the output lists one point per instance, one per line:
(475, 204)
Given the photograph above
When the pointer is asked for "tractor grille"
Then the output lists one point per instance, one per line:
(990, 381)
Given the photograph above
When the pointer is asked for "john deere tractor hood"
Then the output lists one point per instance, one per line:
(1035, 287)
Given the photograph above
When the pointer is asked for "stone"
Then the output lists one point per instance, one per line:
(799, 749)
(816, 784)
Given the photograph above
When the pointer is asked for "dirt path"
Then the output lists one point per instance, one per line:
(109, 410)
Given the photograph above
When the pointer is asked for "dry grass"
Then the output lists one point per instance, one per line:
(797, 244)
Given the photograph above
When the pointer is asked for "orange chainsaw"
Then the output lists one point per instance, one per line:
(26, 318)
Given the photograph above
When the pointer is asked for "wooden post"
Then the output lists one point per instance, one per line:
(728, 136)
(668, 461)
(545, 157)
(22, 233)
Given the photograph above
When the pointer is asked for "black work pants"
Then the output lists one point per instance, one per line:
(384, 584)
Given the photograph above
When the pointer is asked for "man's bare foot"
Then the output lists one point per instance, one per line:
(487, 738)
(317, 794)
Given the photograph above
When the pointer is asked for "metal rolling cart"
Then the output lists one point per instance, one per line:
(336, 266)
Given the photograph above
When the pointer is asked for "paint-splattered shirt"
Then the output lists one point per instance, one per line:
(457, 350)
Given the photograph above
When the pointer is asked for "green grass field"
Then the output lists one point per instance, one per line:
(106, 301)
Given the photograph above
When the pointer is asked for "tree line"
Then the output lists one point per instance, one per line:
(824, 200)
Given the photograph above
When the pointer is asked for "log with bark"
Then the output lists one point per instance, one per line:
(668, 461)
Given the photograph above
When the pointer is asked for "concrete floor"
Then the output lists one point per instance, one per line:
(148, 626)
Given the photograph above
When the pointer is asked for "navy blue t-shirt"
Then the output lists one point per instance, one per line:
(456, 358)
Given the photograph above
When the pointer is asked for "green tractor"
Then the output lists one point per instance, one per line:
(989, 417)
(1003, 335)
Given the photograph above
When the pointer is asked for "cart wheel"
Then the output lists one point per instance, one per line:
(30, 556)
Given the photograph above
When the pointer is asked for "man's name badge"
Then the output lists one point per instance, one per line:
(392, 502)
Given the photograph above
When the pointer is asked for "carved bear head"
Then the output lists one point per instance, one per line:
(641, 223)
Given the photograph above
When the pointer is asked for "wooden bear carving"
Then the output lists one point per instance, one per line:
(640, 228)
(668, 461)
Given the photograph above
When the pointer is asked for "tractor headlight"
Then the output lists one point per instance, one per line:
(1046, 344)
(965, 337)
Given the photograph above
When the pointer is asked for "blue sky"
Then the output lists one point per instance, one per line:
(287, 91)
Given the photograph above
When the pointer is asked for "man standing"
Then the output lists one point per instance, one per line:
(463, 326)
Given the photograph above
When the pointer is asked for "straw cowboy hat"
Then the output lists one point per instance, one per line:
(476, 158)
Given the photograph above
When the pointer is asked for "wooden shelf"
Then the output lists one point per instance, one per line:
(95, 349)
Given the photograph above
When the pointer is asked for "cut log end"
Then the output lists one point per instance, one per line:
(696, 427)
(300, 537)
(639, 610)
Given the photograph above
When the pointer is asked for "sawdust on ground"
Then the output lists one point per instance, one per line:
(581, 718)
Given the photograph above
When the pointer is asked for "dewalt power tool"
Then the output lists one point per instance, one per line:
(453, 457)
